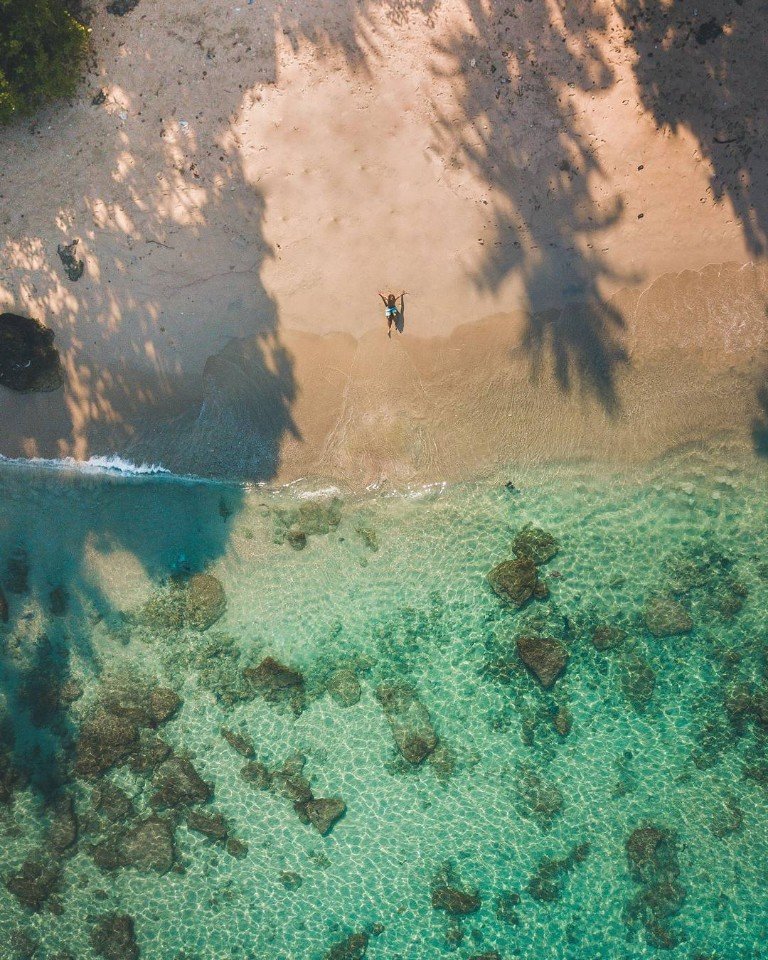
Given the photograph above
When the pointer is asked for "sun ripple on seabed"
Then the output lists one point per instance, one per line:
(446, 721)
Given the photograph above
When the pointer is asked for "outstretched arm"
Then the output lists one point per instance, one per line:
(383, 298)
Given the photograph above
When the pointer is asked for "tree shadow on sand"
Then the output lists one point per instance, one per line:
(546, 217)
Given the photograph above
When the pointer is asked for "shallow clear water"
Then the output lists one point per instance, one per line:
(396, 590)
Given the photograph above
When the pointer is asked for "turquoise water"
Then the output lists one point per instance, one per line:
(390, 587)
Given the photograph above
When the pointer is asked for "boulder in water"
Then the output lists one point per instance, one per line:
(17, 571)
(278, 683)
(409, 721)
(544, 657)
(538, 799)
(353, 947)
(211, 825)
(546, 884)
(177, 783)
(323, 813)
(514, 580)
(4, 610)
(114, 937)
(637, 680)
(205, 601)
(35, 881)
(64, 828)
(665, 617)
(238, 741)
(535, 543)
(28, 359)
(455, 902)
(105, 740)
(344, 687)
(149, 846)
(606, 636)
(257, 774)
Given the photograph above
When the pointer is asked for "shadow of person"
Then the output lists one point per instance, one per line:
(400, 315)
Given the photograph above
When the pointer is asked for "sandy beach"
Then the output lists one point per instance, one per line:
(574, 198)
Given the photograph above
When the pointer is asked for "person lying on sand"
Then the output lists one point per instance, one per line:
(392, 313)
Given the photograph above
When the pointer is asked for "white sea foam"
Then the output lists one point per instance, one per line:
(112, 464)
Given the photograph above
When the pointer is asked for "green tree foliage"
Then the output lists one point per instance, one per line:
(41, 51)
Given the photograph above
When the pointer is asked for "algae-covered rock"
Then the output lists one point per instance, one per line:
(535, 543)
(177, 783)
(35, 881)
(17, 571)
(149, 846)
(546, 884)
(538, 799)
(239, 742)
(514, 580)
(637, 680)
(28, 359)
(607, 636)
(211, 825)
(409, 720)
(455, 902)
(324, 813)
(105, 740)
(257, 774)
(344, 687)
(353, 947)
(114, 938)
(63, 829)
(278, 683)
(205, 601)
(544, 657)
(665, 617)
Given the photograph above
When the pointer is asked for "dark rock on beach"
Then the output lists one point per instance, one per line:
(544, 657)
(28, 359)
(114, 938)
(68, 255)
(409, 720)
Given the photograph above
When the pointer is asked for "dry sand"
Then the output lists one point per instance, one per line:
(574, 195)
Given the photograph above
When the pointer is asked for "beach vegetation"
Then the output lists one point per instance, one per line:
(42, 48)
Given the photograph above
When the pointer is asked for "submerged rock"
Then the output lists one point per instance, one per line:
(665, 617)
(653, 864)
(535, 543)
(28, 359)
(205, 601)
(238, 741)
(63, 829)
(607, 636)
(278, 683)
(637, 680)
(105, 741)
(17, 571)
(455, 902)
(344, 687)
(323, 814)
(149, 846)
(544, 657)
(257, 774)
(290, 782)
(4, 609)
(114, 937)
(353, 947)
(291, 880)
(58, 601)
(409, 721)
(514, 580)
(177, 783)
(211, 825)
(35, 881)
(538, 799)
(546, 885)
